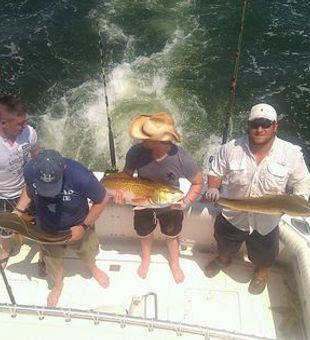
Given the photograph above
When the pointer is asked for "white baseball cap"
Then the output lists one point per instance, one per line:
(263, 111)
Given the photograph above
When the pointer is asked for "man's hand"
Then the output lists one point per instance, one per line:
(77, 232)
(119, 197)
(213, 194)
(180, 205)
(18, 213)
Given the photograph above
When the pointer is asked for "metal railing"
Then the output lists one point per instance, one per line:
(68, 314)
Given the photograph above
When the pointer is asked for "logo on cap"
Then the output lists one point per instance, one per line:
(48, 167)
(47, 178)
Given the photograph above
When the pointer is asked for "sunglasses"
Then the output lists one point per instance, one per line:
(263, 122)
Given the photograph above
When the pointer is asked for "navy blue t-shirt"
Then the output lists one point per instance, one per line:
(70, 207)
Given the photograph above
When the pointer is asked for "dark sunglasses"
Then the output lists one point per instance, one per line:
(263, 122)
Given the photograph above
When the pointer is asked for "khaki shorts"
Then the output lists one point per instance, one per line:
(86, 248)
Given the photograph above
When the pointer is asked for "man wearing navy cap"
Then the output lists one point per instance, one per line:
(60, 189)
(252, 166)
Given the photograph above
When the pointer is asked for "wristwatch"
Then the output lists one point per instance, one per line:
(85, 226)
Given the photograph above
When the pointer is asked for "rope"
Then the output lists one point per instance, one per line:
(109, 120)
(234, 79)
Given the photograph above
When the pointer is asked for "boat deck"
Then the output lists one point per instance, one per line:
(222, 302)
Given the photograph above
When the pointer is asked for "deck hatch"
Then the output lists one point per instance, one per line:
(115, 268)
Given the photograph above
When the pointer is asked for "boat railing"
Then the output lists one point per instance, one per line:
(123, 320)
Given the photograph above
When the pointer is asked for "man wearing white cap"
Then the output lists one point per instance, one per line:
(252, 166)
(158, 158)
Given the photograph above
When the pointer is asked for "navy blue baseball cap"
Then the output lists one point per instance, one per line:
(48, 169)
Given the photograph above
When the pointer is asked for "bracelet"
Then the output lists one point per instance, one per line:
(20, 210)
(85, 226)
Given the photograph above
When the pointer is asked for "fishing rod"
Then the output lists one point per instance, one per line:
(233, 83)
(109, 120)
(7, 286)
(1, 73)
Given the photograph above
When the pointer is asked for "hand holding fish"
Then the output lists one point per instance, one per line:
(77, 232)
(182, 204)
(119, 197)
(18, 213)
(213, 194)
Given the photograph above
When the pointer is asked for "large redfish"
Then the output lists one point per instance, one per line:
(142, 192)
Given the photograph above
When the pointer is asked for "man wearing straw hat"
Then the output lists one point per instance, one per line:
(157, 158)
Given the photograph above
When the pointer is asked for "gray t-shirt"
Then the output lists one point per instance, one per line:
(178, 164)
(12, 159)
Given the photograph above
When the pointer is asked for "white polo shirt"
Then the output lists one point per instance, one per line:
(284, 167)
(12, 159)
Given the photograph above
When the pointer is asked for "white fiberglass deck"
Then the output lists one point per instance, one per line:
(222, 302)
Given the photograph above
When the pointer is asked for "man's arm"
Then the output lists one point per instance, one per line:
(193, 192)
(214, 182)
(299, 180)
(213, 192)
(95, 211)
(23, 202)
(35, 151)
(195, 188)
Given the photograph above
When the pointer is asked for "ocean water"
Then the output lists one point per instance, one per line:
(159, 55)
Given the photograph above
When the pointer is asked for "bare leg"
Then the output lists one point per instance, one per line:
(100, 276)
(6, 249)
(41, 264)
(173, 249)
(146, 248)
(225, 260)
(55, 292)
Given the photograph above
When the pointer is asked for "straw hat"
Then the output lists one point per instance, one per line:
(157, 127)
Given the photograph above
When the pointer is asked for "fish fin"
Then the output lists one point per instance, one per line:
(116, 175)
(138, 200)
